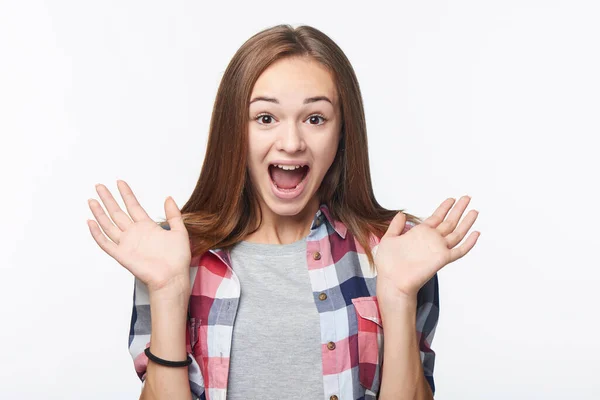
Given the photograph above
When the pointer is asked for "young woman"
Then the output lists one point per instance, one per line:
(281, 275)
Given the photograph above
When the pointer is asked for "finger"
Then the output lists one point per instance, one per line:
(397, 225)
(464, 248)
(120, 218)
(107, 225)
(109, 247)
(173, 215)
(449, 224)
(455, 237)
(440, 213)
(133, 206)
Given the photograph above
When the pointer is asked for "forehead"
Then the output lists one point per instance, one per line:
(293, 79)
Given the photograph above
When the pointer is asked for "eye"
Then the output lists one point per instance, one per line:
(265, 118)
(315, 117)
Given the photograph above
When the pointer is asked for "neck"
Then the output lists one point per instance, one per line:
(284, 229)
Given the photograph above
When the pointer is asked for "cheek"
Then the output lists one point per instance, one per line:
(257, 151)
(253, 146)
(258, 143)
(328, 149)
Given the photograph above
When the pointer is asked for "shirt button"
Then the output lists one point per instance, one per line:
(331, 345)
(322, 296)
(334, 397)
(316, 255)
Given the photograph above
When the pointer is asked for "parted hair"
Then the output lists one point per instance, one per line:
(222, 209)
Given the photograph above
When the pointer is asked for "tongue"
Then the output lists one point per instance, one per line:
(286, 179)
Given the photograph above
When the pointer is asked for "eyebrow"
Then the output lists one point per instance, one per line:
(306, 101)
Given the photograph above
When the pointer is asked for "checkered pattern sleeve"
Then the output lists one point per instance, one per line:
(139, 339)
(427, 318)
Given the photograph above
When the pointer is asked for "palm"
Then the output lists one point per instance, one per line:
(154, 255)
(422, 251)
(405, 262)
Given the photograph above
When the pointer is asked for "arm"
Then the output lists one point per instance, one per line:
(169, 311)
(159, 257)
(408, 259)
(166, 332)
(409, 325)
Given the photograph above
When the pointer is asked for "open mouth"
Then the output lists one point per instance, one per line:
(287, 177)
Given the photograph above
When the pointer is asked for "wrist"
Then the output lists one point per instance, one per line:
(390, 293)
(170, 302)
(177, 287)
(391, 300)
(169, 309)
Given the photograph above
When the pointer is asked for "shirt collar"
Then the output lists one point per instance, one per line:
(324, 214)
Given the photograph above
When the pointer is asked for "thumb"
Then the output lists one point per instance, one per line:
(397, 225)
(173, 215)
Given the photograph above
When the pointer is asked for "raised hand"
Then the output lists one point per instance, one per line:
(158, 257)
(406, 262)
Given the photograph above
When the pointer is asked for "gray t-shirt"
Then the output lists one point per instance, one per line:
(276, 345)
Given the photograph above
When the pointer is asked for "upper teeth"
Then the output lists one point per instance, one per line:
(287, 167)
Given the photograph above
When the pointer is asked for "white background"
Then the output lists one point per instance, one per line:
(495, 99)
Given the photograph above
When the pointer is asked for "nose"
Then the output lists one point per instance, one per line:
(290, 139)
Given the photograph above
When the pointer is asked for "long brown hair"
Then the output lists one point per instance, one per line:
(222, 210)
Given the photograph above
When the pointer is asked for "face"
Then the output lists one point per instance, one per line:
(293, 134)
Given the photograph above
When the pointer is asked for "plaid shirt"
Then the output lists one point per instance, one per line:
(344, 293)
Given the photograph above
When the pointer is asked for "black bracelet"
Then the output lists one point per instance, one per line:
(167, 363)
